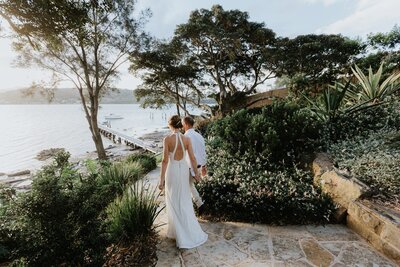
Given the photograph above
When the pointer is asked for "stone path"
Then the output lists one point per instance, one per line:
(247, 245)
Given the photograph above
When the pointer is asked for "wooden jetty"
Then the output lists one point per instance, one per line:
(118, 137)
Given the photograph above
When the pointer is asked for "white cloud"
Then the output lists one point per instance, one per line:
(369, 16)
(325, 2)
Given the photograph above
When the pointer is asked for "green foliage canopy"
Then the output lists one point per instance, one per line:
(312, 61)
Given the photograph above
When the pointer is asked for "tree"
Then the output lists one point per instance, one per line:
(382, 48)
(309, 62)
(168, 77)
(83, 41)
(232, 55)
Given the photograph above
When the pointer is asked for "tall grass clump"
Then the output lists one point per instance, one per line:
(130, 222)
(148, 162)
(133, 213)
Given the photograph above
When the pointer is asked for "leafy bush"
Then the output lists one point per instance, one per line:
(61, 220)
(242, 189)
(58, 213)
(148, 162)
(279, 133)
(375, 160)
(252, 162)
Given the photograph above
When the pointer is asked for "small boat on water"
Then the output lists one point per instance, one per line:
(113, 116)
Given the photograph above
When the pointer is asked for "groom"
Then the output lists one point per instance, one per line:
(199, 151)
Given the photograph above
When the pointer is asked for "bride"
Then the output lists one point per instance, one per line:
(182, 222)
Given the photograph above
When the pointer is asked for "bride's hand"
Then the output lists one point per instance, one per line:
(161, 186)
(197, 177)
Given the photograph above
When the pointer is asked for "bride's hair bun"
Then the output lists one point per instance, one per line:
(175, 122)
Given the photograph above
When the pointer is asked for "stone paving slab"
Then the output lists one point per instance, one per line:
(246, 245)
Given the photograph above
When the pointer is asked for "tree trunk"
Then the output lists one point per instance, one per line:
(96, 136)
(98, 141)
(91, 117)
(101, 153)
(178, 110)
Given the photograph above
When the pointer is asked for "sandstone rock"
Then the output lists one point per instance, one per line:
(381, 229)
(48, 153)
(322, 163)
(332, 232)
(341, 189)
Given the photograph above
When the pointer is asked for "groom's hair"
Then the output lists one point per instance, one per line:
(189, 120)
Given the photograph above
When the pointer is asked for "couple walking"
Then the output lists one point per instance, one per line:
(184, 160)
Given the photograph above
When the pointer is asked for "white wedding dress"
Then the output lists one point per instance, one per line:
(182, 222)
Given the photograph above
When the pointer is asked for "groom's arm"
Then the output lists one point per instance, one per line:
(192, 159)
(203, 157)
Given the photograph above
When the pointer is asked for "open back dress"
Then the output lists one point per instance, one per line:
(182, 222)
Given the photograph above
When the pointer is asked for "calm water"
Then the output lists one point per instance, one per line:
(25, 130)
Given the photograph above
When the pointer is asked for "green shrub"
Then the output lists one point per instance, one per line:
(57, 222)
(148, 162)
(252, 159)
(61, 220)
(132, 215)
(201, 125)
(243, 189)
(280, 133)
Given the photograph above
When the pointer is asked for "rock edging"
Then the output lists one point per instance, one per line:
(378, 225)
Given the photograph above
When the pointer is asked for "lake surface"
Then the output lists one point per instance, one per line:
(25, 130)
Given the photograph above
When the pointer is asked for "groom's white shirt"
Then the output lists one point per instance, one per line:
(199, 149)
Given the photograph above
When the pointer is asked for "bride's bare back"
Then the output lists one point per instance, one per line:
(171, 143)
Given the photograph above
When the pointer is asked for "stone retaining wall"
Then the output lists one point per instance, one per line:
(379, 225)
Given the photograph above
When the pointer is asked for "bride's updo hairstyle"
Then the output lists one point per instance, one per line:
(175, 122)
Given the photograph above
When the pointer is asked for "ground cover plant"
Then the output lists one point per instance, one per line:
(372, 154)
(374, 160)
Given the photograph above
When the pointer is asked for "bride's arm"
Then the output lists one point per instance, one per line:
(192, 159)
(164, 164)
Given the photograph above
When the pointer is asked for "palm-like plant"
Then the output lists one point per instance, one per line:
(370, 88)
(332, 102)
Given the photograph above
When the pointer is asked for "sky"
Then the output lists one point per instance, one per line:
(289, 18)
